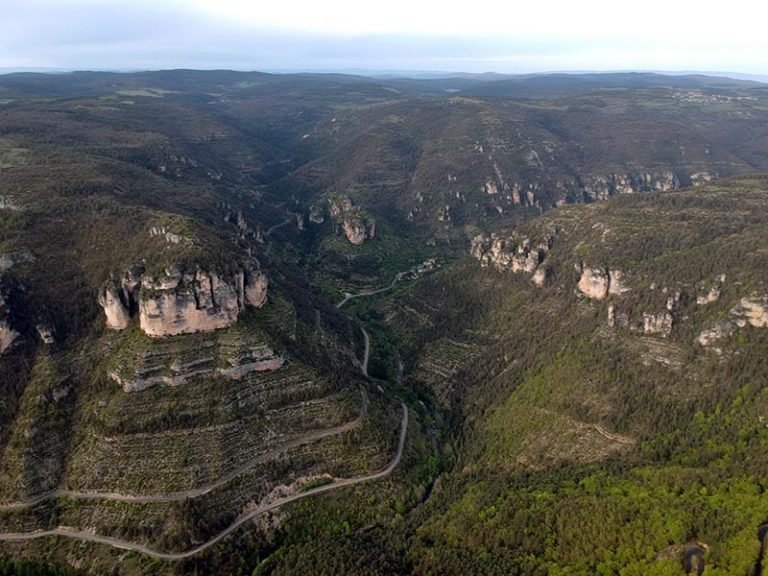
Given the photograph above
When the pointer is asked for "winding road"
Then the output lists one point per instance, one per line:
(276, 226)
(117, 543)
(364, 365)
(68, 532)
(348, 296)
(194, 492)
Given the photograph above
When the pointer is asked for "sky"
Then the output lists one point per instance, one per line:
(513, 36)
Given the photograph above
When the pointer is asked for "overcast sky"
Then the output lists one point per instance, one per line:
(473, 35)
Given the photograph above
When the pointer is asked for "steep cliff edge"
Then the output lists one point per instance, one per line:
(608, 255)
(182, 300)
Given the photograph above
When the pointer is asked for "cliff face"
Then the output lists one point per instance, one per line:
(517, 254)
(598, 283)
(587, 188)
(354, 223)
(255, 288)
(182, 301)
(7, 334)
(116, 312)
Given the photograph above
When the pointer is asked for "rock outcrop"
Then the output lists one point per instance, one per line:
(712, 335)
(602, 187)
(182, 301)
(7, 334)
(6, 262)
(594, 283)
(316, 215)
(115, 310)
(255, 288)
(714, 292)
(188, 361)
(170, 237)
(751, 310)
(354, 230)
(6, 203)
(658, 324)
(661, 324)
(598, 283)
(45, 332)
(355, 225)
(513, 253)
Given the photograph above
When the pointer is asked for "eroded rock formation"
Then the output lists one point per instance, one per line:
(714, 292)
(116, 312)
(255, 288)
(598, 283)
(182, 301)
(513, 253)
(594, 283)
(7, 334)
(355, 225)
(751, 310)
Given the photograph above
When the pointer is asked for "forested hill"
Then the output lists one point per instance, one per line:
(329, 324)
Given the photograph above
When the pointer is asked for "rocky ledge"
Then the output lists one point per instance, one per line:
(199, 360)
(514, 253)
(181, 301)
(751, 310)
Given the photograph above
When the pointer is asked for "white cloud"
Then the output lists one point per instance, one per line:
(738, 20)
(476, 35)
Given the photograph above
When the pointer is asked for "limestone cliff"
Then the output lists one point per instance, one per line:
(179, 302)
(751, 310)
(544, 194)
(658, 324)
(255, 288)
(594, 283)
(598, 283)
(513, 253)
(601, 187)
(7, 334)
(182, 301)
(116, 312)
(354, 223)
